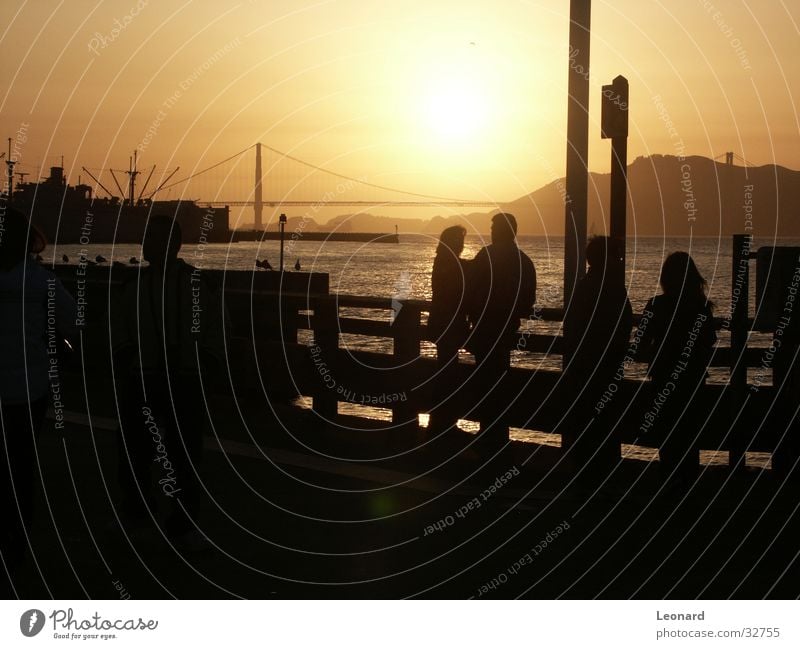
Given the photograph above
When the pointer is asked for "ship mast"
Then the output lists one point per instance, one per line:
(10, 164)
(132, 173)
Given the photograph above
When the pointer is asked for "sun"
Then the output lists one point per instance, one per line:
(456, 109)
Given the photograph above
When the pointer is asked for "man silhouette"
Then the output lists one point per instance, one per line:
(502, 290)
(167, 327)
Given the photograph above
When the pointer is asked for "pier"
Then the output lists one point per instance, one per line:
(363, 237)
(322, 502)
(287, 329)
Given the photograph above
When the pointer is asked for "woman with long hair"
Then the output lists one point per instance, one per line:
(678, 337)
(447, 323)
(35, 310)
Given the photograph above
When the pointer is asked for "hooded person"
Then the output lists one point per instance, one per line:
(167, 330)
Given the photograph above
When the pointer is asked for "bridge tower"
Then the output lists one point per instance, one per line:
(258, 200)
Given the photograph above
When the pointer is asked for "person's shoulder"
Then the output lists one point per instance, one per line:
(590, 282)
(34, 271)
(187, 271)
(130, 277)
(183, 266)
(584, 288)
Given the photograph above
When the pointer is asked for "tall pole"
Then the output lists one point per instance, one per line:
(577, 181)
(283, 231)
(616, 106)
(10, 167)
(614, 126)
(258, 203)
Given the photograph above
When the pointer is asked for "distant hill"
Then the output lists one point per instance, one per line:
(667, 196)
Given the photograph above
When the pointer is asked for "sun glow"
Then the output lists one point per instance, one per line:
(454, 95)
(457, 110)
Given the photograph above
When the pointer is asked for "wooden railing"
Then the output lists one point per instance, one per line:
(264, 349)
(733, 417)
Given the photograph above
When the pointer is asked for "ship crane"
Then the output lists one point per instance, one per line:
(92, 176)
(132, 172)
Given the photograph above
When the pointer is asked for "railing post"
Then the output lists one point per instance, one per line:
(740, 301)
(406, 350)
(786, 379)
(324, 355)
(289, 318)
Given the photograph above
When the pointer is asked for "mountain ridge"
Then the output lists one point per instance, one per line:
(667, 196)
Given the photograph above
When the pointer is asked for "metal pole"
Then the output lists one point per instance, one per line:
(619, 186)
(740, 300)
(258, 203)
(282, 221)
(618, 91)
(577, 147)
(10, 165)
(617, 104)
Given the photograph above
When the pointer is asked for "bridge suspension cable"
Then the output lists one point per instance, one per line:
(284, 155)
(194, 175)
(363, 182)
(731, 155)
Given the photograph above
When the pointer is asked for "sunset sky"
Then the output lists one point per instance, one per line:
(455, 98)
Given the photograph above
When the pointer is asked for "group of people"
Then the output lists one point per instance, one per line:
(167, 332)
(477, 305)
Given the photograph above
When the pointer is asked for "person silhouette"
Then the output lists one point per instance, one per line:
(502, 290)
(447, 324)
(677, 338)
(167, 327)
(597, 325)
(36, 312)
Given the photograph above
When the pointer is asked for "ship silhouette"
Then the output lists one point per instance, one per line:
(73, 214)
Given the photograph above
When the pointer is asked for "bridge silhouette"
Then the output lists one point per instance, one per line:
(304, 176)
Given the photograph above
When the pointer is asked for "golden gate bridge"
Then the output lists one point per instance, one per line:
(232, 176)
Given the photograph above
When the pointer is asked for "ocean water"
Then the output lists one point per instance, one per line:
(403, 271)
(390, 269)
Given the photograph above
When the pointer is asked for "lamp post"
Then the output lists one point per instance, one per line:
(282, 221)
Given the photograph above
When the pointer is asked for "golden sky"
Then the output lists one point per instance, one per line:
(457, 98)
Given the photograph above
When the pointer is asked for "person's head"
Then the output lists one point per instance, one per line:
(504, 228)
(162, 240)
(18, 238)
(680, 277)
(451, 241)
(604, 253)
